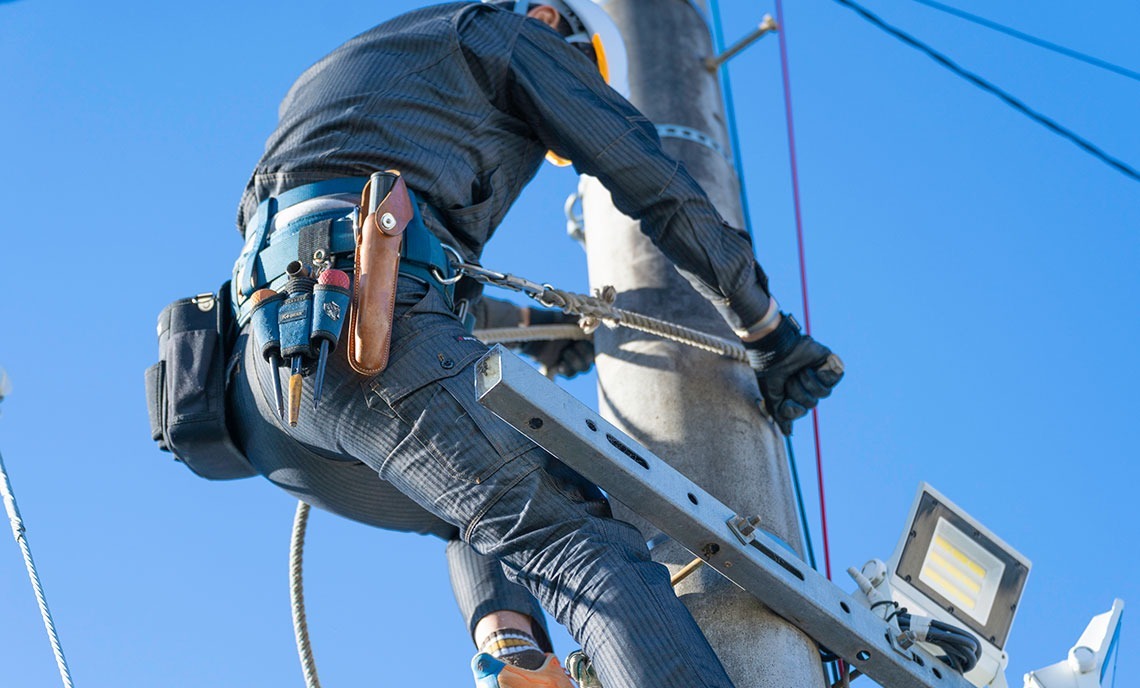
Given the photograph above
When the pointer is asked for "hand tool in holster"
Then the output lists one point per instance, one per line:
(330, 306)
(295, 320)
(267, 304)
(387, 208)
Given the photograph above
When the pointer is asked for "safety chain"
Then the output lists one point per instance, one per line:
(596, 310)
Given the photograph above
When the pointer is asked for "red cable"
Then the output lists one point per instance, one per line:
(803, 267)
(803, 284)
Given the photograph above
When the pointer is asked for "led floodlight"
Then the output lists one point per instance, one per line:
(950, 567)
(961, 571)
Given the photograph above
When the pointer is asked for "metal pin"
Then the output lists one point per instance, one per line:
(686, 571)
(767, 25)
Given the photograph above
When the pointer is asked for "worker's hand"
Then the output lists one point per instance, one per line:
(794, 371)
(565, 357)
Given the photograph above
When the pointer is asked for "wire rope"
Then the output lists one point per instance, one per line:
(20, 533)
(785, 74)
(1009, 99)
(788, 113)
(297, 595)
(1031, 39)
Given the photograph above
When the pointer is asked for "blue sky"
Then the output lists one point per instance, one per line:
(977, 273)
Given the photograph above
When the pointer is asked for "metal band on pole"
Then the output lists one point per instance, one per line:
(677, 131)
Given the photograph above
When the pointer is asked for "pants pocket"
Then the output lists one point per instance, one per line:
(503, 439)
(463, 440)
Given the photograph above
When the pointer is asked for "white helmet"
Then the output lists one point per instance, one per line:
(590, 24)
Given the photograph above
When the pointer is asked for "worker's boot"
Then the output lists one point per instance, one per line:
(581, 670)
(492, 673)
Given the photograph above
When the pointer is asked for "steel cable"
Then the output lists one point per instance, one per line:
(297, 595)
(1086, 145)
(19, 532)
(1032, 40)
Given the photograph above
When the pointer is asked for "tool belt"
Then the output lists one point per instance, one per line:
(285, 281)
(328, 235)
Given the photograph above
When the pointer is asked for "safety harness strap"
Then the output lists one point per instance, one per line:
(246, 278)
(421, 253)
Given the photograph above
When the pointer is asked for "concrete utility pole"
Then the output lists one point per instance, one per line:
(692, 408)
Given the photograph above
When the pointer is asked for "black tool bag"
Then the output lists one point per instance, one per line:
(186, 389)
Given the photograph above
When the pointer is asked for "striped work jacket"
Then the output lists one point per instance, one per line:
(465, 99)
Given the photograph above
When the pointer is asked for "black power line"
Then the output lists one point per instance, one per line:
(1039, 42)
(1088, 146)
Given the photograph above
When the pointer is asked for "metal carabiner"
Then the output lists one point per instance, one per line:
(524, 285)
(458, 263)
(541, 296)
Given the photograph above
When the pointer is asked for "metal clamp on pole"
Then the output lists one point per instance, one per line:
(767, 25)
(677, 131)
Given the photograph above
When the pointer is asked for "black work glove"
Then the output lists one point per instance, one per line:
(794, 371)
(566, 357)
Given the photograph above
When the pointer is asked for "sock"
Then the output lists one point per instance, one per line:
(516, 647)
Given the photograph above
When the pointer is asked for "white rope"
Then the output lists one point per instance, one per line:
(599, 309)
(534, 333)
(297, 595)
(18, 531)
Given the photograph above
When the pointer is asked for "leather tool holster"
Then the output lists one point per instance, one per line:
(387, 210)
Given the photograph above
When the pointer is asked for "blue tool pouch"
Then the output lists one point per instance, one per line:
(186, 389)
(294, 321)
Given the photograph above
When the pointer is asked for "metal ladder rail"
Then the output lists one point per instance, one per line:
(728, 542)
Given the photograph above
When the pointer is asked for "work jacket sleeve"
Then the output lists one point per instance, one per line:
(572, 111)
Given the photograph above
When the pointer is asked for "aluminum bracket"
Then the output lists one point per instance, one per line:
(728, 542)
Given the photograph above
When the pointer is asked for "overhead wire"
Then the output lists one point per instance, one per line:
(1009, 99)
(839, 667)
(730, 111)
(1031, 39)
(800, 503)
(738, 163)
(786, 77)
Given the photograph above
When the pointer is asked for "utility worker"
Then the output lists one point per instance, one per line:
(465, 99)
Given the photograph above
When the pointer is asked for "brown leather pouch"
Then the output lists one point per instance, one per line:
(377, 268)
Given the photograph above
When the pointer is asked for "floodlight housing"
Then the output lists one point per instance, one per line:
(950, 567)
